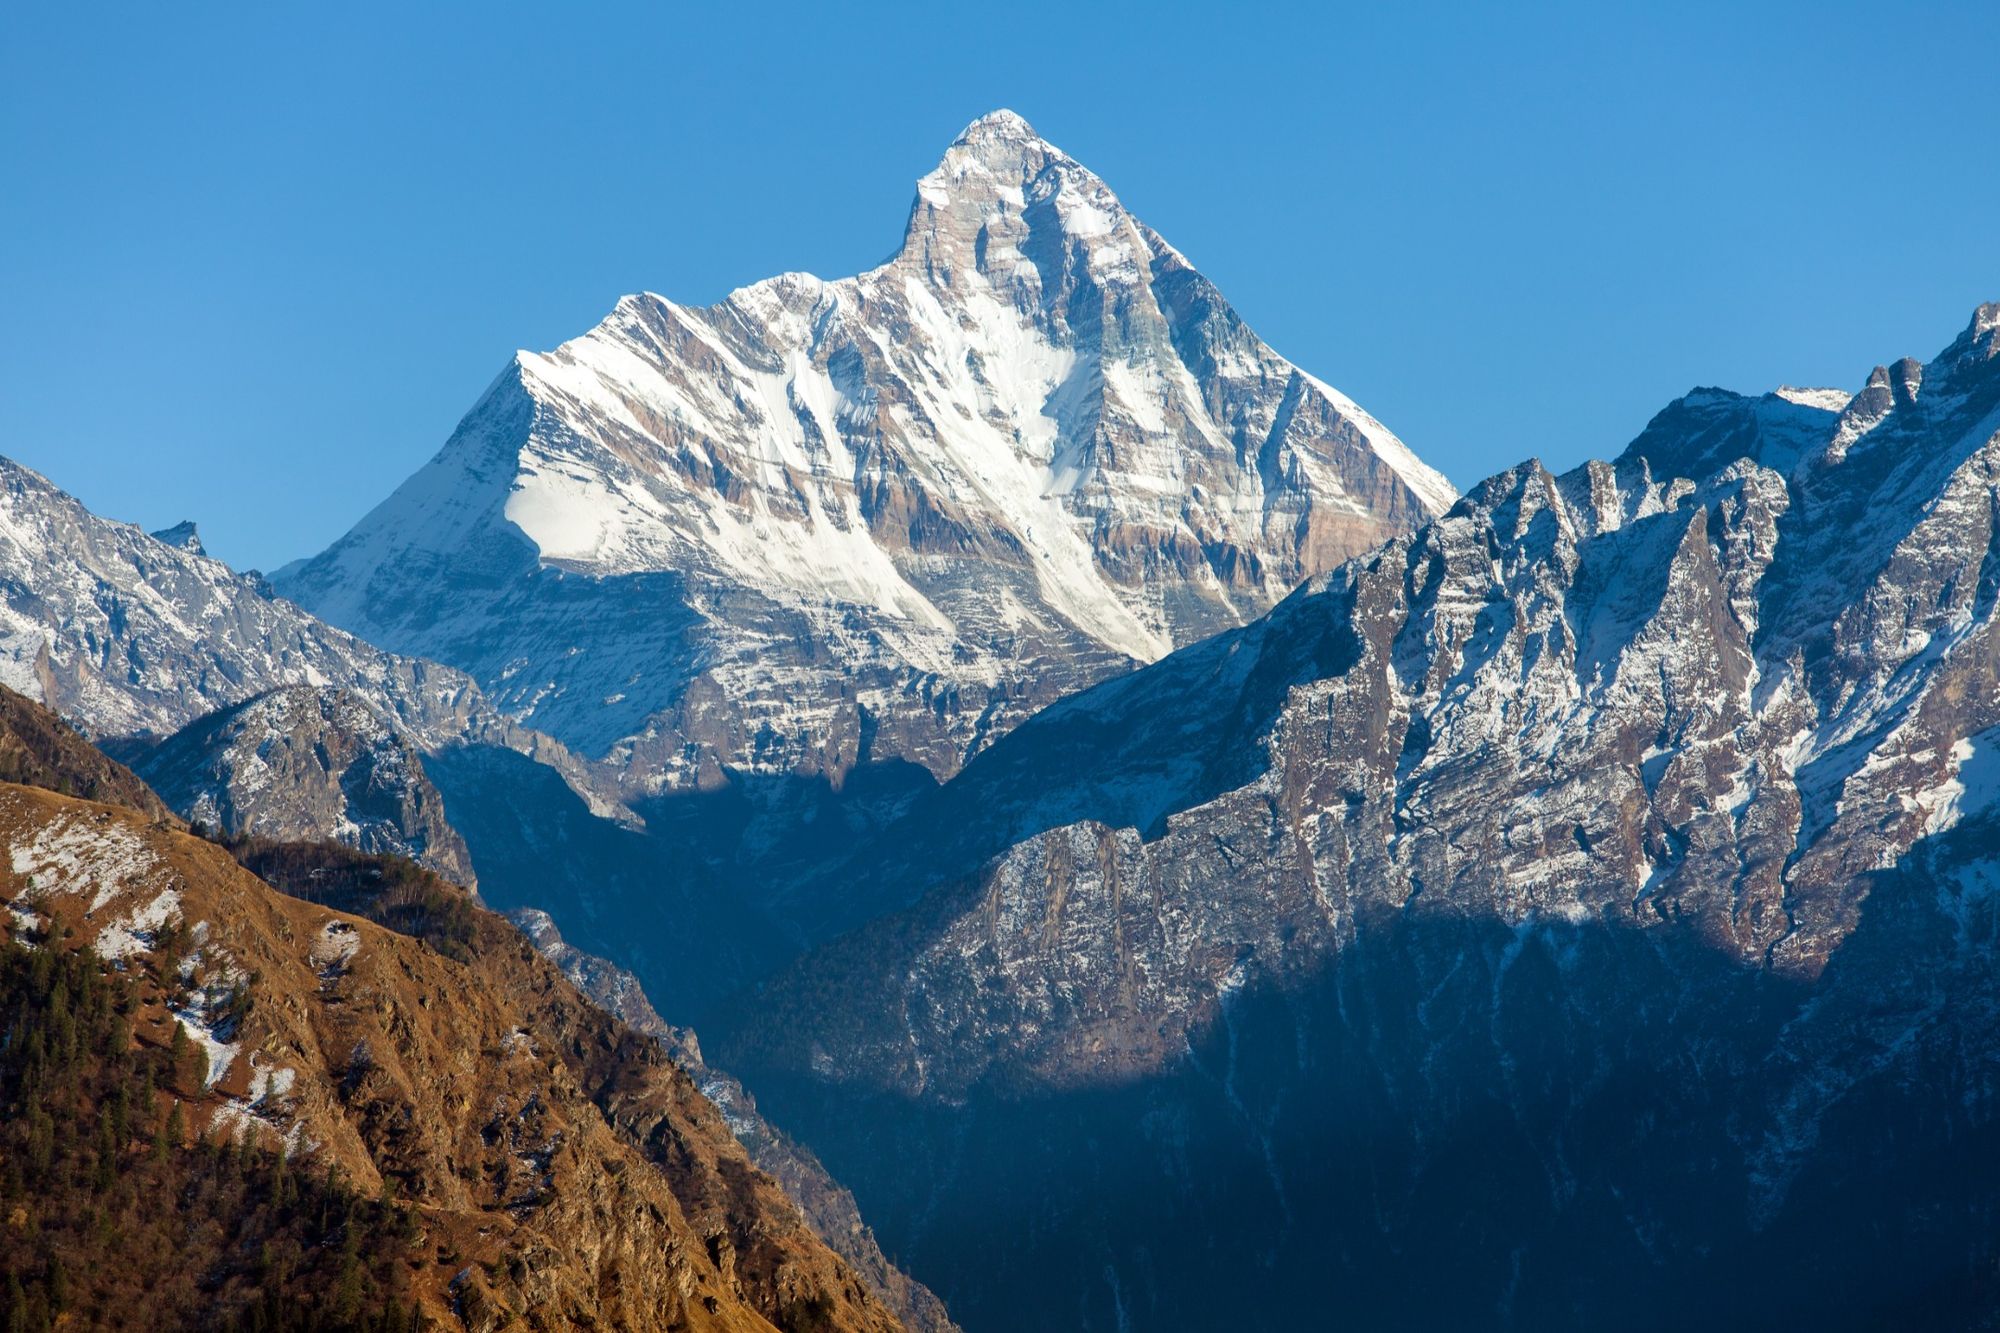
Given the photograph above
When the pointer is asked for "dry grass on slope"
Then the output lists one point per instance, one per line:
(559, 1170)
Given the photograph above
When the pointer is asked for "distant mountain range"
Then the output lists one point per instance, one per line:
(1710, 686)
(1122, 815)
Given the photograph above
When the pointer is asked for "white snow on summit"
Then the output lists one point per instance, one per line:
(1831, 400)
(1033, 445)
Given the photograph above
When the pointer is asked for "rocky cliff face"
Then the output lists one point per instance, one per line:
(128, 634)
(561, 1171)
(1621, 693)
(1702, 738)
(884, 517)
(301, 764)
(132, 637)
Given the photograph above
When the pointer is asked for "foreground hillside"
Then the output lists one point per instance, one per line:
(540, 1161)
(119, 1221)
(37, 749)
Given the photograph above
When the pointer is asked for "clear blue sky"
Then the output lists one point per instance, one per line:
(256, 261)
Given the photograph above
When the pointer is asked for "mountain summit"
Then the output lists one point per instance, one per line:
(886, 516)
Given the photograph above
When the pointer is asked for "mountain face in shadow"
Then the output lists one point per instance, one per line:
(1460, 1123)
(692, 902)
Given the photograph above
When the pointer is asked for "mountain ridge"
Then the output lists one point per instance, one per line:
(1689, 617)
(305, 762)
(132, 638)
(1591, 893)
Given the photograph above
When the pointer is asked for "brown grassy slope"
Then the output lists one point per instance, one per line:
(563, 1171)
(602, 1050)
(827, 1205)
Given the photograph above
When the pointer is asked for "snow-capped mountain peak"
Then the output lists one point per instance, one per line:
(1032, 447)
(1704, 741)
(999, 145)
(999, 125)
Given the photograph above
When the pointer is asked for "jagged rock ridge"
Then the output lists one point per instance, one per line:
(134, 637)
(1623, 692)
(128, 634)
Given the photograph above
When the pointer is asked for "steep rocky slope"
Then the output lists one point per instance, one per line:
(560, 1169)
(826, 1204)
(256, 717)
(128, 634)
(883, 517)
(308, 763)
(1662, 790)
(1622, 692)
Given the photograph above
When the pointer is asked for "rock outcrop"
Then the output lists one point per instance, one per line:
(302, 764)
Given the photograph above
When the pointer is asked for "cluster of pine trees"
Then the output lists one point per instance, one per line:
(114, 1213)
(391, 891)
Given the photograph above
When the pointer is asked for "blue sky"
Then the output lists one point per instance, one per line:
(256, 261)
